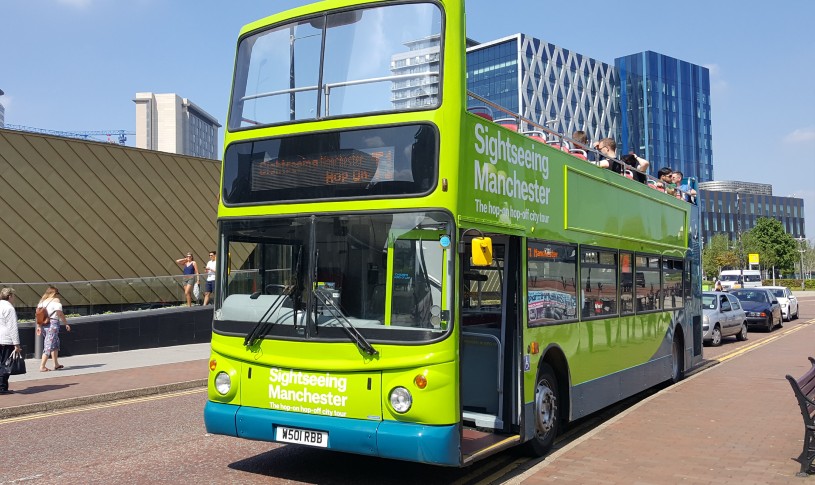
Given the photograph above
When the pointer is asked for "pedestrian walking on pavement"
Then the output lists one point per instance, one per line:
(190, 275)
(9, 333)
(53, 305)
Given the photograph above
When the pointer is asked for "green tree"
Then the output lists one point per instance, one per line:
(774, 246)
(717, 254)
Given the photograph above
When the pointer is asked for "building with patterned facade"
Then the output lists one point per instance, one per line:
(665, 109)
(550, 85)
(733, 207)
(170, 123)
(652, 104)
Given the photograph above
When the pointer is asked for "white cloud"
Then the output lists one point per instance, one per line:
(718, 84)
(801, 135)
(76, 3)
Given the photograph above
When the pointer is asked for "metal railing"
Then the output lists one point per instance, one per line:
(105, 296)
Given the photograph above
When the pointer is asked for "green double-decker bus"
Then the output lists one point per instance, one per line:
(402, 278)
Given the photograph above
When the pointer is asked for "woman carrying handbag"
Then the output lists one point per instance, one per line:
(9, 334)
(53, 306)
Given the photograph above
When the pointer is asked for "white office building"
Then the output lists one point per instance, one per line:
(2, 111)
(170, 123)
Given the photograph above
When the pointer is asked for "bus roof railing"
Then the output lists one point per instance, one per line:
(567, 144)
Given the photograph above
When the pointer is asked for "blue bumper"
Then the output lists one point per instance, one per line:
(438, 445)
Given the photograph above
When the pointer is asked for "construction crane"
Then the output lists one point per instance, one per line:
(82, 135)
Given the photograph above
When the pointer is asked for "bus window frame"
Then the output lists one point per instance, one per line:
(322, 14)
(632, 292)
(670, 261)
(575, 277)
(648, 269)
(616, 253)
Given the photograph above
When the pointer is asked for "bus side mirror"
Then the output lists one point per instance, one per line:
(481, 251)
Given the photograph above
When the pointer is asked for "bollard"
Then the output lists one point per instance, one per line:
(38, 342)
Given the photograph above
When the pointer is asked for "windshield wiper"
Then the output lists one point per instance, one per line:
(346, 324)
(265, 323)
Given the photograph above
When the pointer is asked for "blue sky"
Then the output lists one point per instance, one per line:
(76, 65)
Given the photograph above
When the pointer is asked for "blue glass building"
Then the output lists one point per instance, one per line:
(654, 105)
(665, 104)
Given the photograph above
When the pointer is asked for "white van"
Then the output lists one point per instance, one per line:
(738, 278)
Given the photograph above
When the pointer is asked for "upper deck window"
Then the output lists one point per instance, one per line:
(338, 64)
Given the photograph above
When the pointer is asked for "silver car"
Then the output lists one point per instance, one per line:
(722, 316)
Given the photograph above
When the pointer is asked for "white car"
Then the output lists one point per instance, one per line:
(788, 302)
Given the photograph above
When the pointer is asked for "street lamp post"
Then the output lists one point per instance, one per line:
(738, 236)
(802, 250)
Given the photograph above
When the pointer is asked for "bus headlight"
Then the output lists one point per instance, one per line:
(223, 383)
(401, 400)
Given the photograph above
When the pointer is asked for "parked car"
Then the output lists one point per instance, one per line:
(761, 306)
(722, 316)
(789, 304)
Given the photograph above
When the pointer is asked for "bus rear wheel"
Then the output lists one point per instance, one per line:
(547, 420)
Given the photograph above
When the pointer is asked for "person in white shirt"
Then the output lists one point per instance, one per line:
(9, 333)
(52, 304)
(210, 288)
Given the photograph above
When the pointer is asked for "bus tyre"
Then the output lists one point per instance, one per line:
(547, 420)
(677, 360)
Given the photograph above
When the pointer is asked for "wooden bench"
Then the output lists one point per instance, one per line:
(804, 389)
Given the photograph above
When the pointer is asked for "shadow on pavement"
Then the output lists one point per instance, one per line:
(44, 388)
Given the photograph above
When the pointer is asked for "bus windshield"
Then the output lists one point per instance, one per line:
(337, 64)
(384, 275)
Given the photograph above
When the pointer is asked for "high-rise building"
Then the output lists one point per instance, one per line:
(170, 123)
(732, 208)
(2, 112)
(651, 104)
(421, 57)
(550, 85)
(665, 104)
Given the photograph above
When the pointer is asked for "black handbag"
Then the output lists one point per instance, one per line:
(14, 365)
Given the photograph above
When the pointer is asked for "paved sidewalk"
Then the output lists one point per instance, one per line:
(735, 422)
(93, 378)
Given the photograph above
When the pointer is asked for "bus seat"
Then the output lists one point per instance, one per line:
(581, 154)
(508, 123)
(482, 111)
(535, 135)
(629, 174)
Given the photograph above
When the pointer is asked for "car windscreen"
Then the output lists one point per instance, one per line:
(709, 302)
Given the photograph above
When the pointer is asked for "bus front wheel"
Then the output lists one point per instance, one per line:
(547, 420)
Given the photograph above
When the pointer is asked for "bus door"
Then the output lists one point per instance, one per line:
(489, 330)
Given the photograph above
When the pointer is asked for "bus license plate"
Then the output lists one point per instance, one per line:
(302, 436)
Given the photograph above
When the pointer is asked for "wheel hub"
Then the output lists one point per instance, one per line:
(546, 406)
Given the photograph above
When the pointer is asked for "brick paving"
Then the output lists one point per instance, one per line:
(736, 422)
(39, 392)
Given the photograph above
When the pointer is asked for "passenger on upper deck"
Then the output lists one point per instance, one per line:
(638, 164)
(608, 150)
(580, 137)
(677, 179)
(665, 175)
